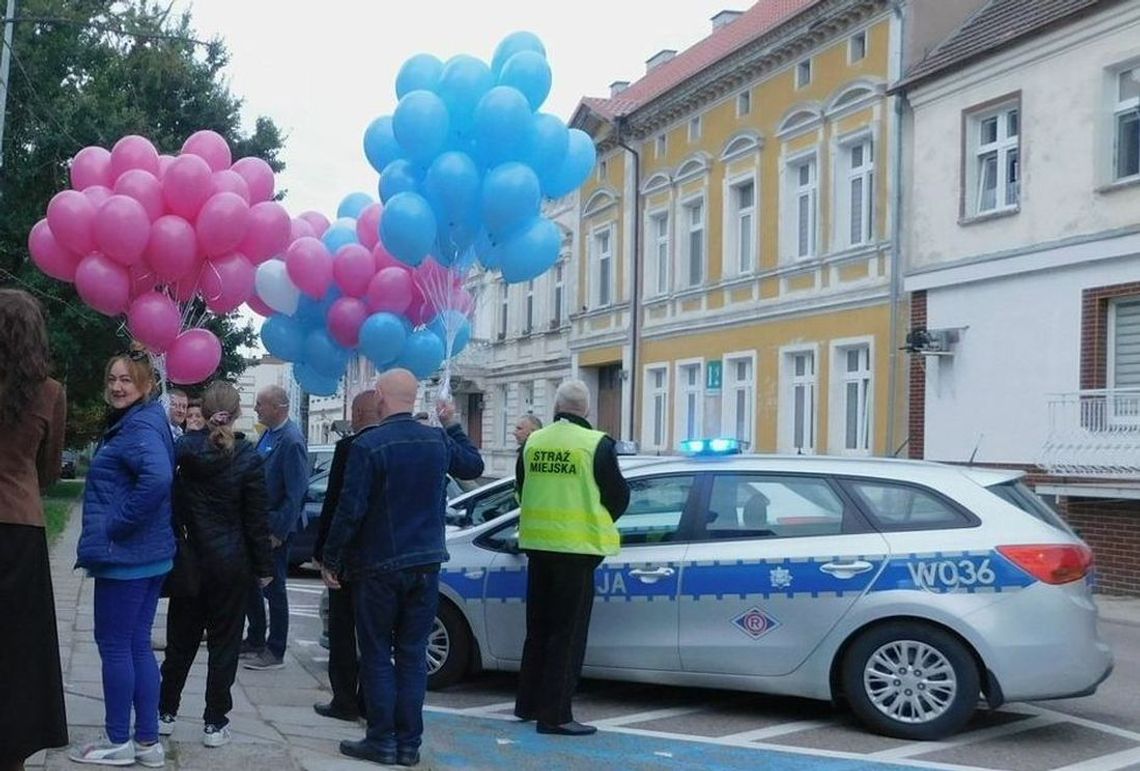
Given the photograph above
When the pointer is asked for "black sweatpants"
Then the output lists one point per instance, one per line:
(559, 601)
(344, 664)
(219, 609)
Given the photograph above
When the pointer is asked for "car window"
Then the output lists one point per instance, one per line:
(492, 505)
(1017, 493)
(897, 506)
(768, 506)
(505, 538)
(656, 506)
(318, 487)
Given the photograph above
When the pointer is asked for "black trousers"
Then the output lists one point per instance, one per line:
(219, 609)
(344, 665)
(559, 600)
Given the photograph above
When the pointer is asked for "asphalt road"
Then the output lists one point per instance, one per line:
(1095, 733)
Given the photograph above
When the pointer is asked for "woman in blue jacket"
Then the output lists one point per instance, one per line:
(127, 545)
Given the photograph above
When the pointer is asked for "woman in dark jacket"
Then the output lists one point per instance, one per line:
(220, 499)
(127, 544)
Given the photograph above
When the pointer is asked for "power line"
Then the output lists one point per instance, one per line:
(88, 24)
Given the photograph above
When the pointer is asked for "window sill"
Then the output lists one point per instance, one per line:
(988, 216)
(1120, 184)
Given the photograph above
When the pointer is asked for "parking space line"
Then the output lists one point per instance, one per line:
(497, 707)
(973, 737)
(1124, 733)
(645, 717)
(776, 730)
(1116, 760)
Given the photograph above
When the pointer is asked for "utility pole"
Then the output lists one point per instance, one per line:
(6, 69)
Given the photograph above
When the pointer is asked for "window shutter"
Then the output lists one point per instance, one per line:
(1126, 348)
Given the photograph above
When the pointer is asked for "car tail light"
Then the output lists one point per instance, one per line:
(1051, 563)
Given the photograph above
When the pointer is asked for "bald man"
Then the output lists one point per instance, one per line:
(387, 537)
(347, 702)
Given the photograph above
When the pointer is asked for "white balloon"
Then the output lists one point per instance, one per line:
(275, 288)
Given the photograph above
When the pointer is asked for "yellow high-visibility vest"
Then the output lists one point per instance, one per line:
(562, 507)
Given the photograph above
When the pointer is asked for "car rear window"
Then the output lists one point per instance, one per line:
(1019, 494)
(898, 506)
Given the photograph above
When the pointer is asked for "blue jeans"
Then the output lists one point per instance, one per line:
(278, 599)
(124, 614)
(394, 615)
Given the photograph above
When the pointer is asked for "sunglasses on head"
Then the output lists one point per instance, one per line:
(136, 355)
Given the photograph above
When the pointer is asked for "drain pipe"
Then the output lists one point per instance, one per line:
(635, 286)
(896, 236)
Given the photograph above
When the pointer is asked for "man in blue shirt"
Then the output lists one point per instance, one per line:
(286, 477)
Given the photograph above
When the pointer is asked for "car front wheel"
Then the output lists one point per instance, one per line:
(448, 648)
(911, 681)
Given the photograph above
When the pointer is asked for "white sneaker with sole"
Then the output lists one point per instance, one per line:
(150, 755)
(165, 724)
(104, 753)
(216, 736)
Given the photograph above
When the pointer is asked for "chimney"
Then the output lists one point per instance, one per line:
(659, 58)
(724, 18)
(617, 87)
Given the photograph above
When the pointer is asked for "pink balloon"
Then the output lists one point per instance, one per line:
(49, 255)
(164, 162)
(193, 357)
(383, 259)
(226, 282)
(258, 306)
(368, 225)
(122, 229)
(226, 181)
(145, 188)
(211, 147)
(103, 284)
(317, 221)
(299, 228)
(222, 223)
(419, 310)
(154, 320)
(268, 233)
(258, 175)
(390, 290)
(98, 195)
(462, 301)
(91, 166)
(133, 152)
(172, 248)
(353, 268)
(186, 288)
(309, 266)
(186, 186)
(344, 320)
(71, 216)
(143, 280)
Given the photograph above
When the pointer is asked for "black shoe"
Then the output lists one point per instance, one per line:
(362, 751)
(525, 717)
(407, 757)
(573, 728)
(335, 712)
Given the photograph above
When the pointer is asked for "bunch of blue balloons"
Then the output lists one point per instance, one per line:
(466, 158)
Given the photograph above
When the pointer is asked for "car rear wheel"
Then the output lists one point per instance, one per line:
(449, 647)
(911, 681)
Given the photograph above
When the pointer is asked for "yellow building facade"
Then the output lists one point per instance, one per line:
(735, 268)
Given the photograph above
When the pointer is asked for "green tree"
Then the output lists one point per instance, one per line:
(87, 72)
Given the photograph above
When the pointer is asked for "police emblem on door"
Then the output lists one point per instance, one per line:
(755, 623)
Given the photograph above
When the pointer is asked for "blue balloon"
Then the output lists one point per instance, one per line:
(504, 125)
(422, 354)
(420, 124)
(314, 382)
(324, 355)
(283, 337)
(380, 145)
(401, 176)
(513, 44)
(529, 72)
(310, 313)
(488, 249)
(353, 204)
(461, 85)
(342, 232)
(511, 197)
(531, 252)
(551, 142)
(419, 73)
(382, 337)
(451, 185)
(580, 159)
(408, 227)
(452, 323)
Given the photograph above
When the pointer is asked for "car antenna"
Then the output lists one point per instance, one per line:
(976, 446)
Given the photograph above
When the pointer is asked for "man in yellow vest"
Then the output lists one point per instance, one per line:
(572, 491)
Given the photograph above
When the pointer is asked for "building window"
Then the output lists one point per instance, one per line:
(1124, 343)
(694, 268)
(559, 289)
(529, 307)
(798, 413)
(603, 170)
(690, 401)
(603, 266)
(1127, 124)
(504, 305)
(656, 412)
(855, 397)
(504, 428)
(526, 398)
(739, 397)
(694, 128)
(658, 257)
(802, 208)
(742, 227)
(743, 103)
(803, 73)
(857, 47)
(856, 195)
(996, 160)
(660, 146)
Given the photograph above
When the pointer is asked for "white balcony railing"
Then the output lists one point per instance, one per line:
(1094, 434)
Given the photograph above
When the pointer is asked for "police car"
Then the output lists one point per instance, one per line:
(906, 590)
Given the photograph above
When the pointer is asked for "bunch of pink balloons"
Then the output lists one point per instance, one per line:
(142, 234)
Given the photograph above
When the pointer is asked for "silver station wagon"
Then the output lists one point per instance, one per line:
(906, 590)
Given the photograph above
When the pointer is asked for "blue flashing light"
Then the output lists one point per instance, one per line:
(718, 446)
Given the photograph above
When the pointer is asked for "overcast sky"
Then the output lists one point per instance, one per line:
(324, 70)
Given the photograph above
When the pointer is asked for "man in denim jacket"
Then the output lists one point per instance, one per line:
(388, 537)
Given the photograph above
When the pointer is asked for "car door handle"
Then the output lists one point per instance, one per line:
(474, 575)
(846, 569)
(651, 576)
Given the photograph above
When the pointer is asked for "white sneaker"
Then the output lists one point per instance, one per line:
(165, 724)
(104, 753)
(215, 736)
(151, 756)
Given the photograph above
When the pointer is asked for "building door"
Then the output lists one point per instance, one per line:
(609, 400)
(475, 419)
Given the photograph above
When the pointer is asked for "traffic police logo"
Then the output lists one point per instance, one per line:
(755, 623)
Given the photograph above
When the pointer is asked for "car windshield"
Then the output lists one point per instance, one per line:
(1017, 493)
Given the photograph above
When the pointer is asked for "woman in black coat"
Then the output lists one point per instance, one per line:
(220, 500)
